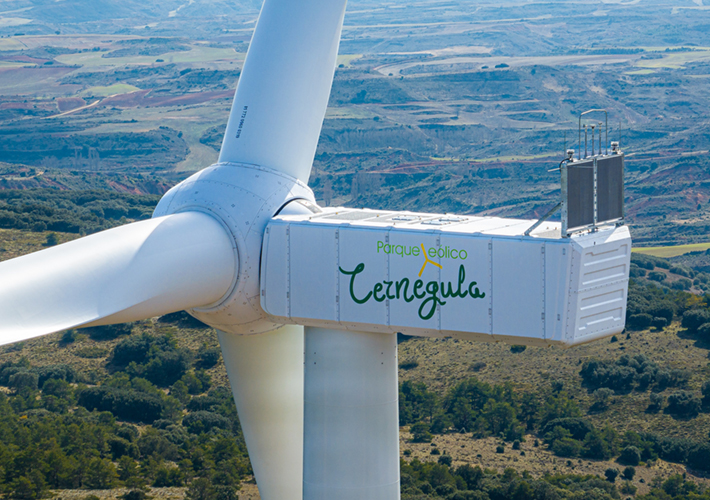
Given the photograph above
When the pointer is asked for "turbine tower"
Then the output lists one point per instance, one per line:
(243, 247)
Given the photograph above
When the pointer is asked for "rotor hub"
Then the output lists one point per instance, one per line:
(243, 198)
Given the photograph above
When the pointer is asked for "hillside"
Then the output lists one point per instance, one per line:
(198, 408)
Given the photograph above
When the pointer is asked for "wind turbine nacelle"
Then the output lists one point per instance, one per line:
(474, 278)
(243, 198)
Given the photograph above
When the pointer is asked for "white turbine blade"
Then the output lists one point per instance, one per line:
(266, 374)
(283, 90)
(128, 273)
(351, 416)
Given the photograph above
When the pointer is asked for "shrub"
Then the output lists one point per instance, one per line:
(200, 489)
(577, 427)
(704, 332)
(706, 393)
(135, 495)
(124, 404)
(682, 284)
(628, 489)
(445, 460)
(657, 276)
(109, 332)
(659, 323)
(23, 380)
(204, 421)
(629, 473)
(409, 365)
(693, 318)
(420, 433)
(698, 457)
(166, 368)
(208, 358)
(68, 337)
(58, 372)
(639, 321)
(684, 404)
(567, 447)
(602, 397)
(51, 240)
(611, 474)
(630, 456)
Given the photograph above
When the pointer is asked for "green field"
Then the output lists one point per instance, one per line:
(118, 88)
(673, 251)
(198, 54)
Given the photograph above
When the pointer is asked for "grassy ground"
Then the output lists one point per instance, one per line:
(535, 459)
(119, 88)
(198, 54)
(672, 251)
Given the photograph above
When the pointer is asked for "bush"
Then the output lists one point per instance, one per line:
(602, 397)
(630, 456)
(611, 474)
(639, 321)
(684, 404)
(629, 473)
(23, 380)
(704, 332)
(659, 323)
(567, 447)
(445, 460)
(109, 332)
(57, 372)
(682, 284)
(657, 276)
(124, 404)
(200, 489)
(706, 393)
(208, 358)
(420, 433)
(693, 318)
(578, 428)
(628, 489)
(204, 421)
(698, 458)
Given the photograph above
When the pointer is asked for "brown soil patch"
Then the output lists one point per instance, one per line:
(69, 103)
(146, 99)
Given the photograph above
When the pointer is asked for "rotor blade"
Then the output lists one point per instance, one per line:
(128, 273)
(266, 374)
(283, 90)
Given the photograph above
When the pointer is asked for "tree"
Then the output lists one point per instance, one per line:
(684, 404)
(693, 318)
(420, 433)
(100, 474)
(630, 456)
(200, 489)
(611, 474)
(629, 473)
(52, 240)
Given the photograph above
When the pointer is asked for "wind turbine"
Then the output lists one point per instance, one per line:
(243, 246)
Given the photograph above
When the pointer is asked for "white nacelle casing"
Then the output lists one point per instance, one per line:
(365, 270)
(243, 198)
